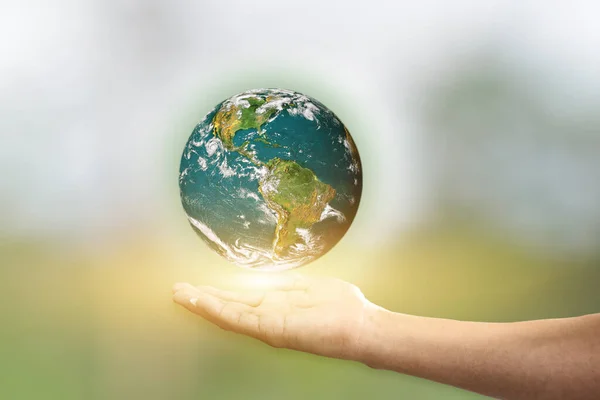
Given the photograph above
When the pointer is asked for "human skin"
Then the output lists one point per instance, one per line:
(543, 359)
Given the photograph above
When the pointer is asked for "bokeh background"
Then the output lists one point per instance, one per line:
(478, 127)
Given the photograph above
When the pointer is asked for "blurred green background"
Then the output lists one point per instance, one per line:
(478, 129)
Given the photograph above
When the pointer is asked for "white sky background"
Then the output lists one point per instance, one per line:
(90, 90)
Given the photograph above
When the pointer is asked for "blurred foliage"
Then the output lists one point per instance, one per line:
(513, 150)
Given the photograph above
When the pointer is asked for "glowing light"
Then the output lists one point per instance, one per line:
(262, 279)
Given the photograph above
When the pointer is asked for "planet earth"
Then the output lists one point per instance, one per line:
(270, 179)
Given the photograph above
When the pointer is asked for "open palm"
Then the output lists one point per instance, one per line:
(321, 316)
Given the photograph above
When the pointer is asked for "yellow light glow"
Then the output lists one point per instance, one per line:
(261, 280)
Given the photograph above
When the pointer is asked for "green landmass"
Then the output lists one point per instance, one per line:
(297, 196)
(295, 193)
(229, 120)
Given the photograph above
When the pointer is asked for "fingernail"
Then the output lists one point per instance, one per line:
(178, 286)
(194, 300)
(181, 297)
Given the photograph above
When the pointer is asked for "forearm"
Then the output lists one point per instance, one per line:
(538, 359)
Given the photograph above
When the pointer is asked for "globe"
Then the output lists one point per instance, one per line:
(270, 179)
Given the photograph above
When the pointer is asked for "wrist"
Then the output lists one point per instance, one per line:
(395, 341)
(374, 337)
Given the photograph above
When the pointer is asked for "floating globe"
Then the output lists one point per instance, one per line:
(270, 179)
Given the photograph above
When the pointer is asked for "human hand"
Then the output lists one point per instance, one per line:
(319, 316)
(332, 318)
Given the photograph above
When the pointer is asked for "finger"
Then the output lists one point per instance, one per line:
(181, 285)
(252, 299)
(231, 316)
(197, 301)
